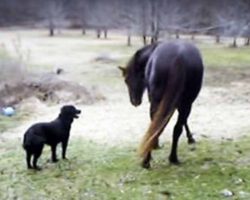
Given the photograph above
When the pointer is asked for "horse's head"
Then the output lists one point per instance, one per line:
(134, 79)
(134, 73)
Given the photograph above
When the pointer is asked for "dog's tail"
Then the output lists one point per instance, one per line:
(165, 110)
(25, 141)
(31, 140)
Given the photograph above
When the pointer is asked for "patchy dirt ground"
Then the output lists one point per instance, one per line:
(48, 88)
(221, 111)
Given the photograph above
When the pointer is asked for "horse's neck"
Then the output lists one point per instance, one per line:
(145, 54)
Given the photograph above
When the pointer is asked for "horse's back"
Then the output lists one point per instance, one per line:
(170, 53)
(167, 56)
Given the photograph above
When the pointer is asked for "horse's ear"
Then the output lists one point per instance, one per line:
(123, 70)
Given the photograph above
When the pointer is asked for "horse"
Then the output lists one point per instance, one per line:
(172, 73)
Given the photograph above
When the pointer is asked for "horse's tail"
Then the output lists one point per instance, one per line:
(165, 109)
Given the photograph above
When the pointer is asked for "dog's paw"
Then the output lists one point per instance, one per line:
(37, 168)
(54, 160)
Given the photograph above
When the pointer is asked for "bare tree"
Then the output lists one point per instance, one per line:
(231, 19)
(170, 19)
(155, 18)
(142, 17)
(54, 14)
(81, 11)
(144, 21)
(246, 34)
(127, 18)
(246, 16)
(102, 16)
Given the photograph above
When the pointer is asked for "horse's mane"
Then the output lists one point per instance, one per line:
(141, 56)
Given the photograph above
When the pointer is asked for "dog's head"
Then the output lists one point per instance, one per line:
(69, 112)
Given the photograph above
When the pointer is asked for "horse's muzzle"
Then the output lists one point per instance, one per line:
(135, 102)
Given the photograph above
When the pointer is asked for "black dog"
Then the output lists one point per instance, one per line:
(50, 133)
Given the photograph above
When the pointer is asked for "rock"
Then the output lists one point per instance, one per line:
(239, 181)
(243, 194)
(105, 57)
(227, 193)
(59, 71)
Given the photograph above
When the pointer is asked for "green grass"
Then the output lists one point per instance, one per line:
(3, 53)
(99, 172)
(219, 56)
(11, 122)
(223, 56)
(213, 55)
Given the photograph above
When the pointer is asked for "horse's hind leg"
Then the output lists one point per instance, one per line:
(146, 161)
(181, 121)
(190, 138)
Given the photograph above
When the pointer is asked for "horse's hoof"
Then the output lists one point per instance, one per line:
(145, 165)
(156, 147)
(55, 160)
(174, 161)
(191, 141)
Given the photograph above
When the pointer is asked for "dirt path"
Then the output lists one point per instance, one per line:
(116, 122)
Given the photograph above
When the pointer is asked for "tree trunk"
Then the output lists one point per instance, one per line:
(51, 31)
(234, 42)
(51, 28)
(154, 39)
(129, 40)
(192, 36)
(154, 22)
(144, 24)
(247, 42)
(177, 35)
(105, 33)
(144, 39)
(217, 39)
(98, 33)
(83, 31)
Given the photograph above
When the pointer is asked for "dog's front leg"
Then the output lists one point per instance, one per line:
(53, 153)
(64, 148)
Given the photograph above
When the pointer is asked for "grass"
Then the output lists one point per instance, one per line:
(222, 56)
(213, 55)
(96, 171)
(11, 122)
(99, 172)
(3, 52)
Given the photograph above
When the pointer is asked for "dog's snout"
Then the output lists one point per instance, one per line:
(78, 111)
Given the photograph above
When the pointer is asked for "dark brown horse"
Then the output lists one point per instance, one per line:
(172, 73)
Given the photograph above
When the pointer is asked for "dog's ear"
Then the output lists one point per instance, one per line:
(123, 70)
